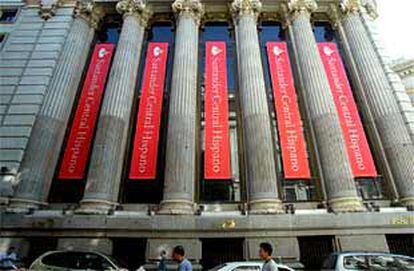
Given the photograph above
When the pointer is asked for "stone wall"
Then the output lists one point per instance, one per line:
(27, 61)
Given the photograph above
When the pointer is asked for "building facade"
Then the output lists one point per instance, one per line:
(51, 52)
(405, 69)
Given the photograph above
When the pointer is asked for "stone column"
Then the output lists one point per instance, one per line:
(107, 160)
(180, 169)
(256, 123)
(336, 169)
(44, 146)
(393, 132)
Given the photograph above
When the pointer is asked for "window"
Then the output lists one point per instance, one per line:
(269, 31)
(8, 15)
(77, 261)
(150, 191)
(293, 190)
(110, 29)
(323, 32)
(221, 190)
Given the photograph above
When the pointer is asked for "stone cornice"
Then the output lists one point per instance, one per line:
(89, 11)
(194, 8)
(246, 7)
(136, 8)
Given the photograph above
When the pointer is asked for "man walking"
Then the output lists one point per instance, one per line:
(265, 254)
(178, 255)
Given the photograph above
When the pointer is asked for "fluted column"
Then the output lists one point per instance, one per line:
(337, 175)
(105, 172)
(393, 132)
(258, 142)
(43, 149)
(180, 169)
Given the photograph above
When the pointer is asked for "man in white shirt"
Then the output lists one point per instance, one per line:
(265, 254)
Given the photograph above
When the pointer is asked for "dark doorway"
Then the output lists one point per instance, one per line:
(314, 249)
(130, 252)
(401, 244)
(220, 250)
(38, 246)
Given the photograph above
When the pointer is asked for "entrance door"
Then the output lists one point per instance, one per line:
(401, 244)
(314, 249)
(217, 251)
(130, 251)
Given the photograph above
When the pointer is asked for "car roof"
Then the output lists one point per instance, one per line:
(251, 263)
(366, 253)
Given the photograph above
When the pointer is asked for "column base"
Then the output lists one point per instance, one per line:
(408, 202)
(176, 207)
(95, 207)
(346, 205)
(24, 205)
(265, 206)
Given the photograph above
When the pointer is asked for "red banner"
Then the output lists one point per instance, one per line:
(217, 142)
(79, 142)
(358, 149)
(292, 140)
(145, 152)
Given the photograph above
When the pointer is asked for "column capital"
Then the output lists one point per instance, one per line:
(48, 8)
(89, 11)
(243, 7)
(194, 8)
(356, 6)
(136, 8)
(296, 7)
(350, 6)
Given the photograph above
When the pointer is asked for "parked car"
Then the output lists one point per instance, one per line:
(75, 261)
(247, 266)
(355, 261)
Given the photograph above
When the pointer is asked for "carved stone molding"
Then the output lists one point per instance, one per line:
(194, 8)
(371, 8)
(48, 8)
(243, 7)
(89, 11)
(136, 8)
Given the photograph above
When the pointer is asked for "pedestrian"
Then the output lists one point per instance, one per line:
(265, 254)
(178, 255)
(162, 266)
(9, 258)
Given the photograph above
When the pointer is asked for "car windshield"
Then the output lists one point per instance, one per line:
(378, 263)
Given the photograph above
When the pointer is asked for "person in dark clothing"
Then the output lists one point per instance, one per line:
(178, 255)
(163, 265)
